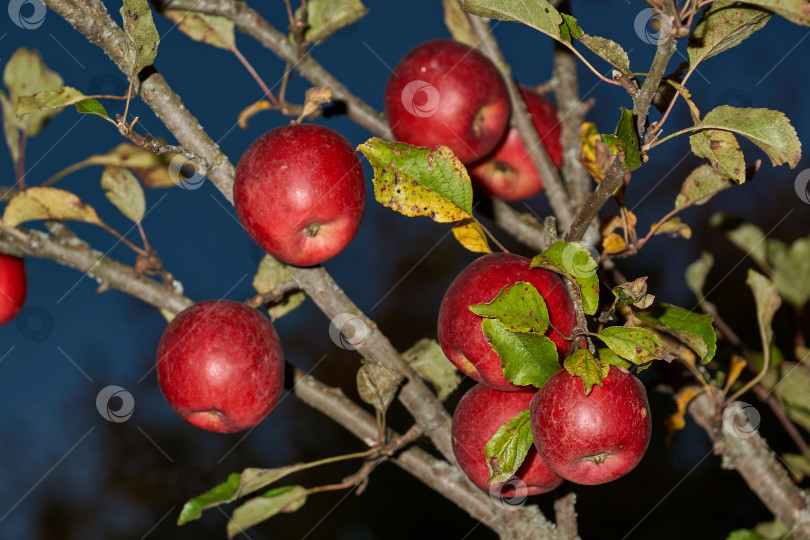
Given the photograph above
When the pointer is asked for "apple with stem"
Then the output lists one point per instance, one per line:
(220, 365)
(460, 333)
(444, 92)
(13, 286)
(299, 192)
(509, 172)
(595, 438)
(478, 416)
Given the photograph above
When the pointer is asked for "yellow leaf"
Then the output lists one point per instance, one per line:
(595, 155)
(470, 235)
(37, 203)
(211, 29)
(315, 97)
(251, 111)
(614, 243)
(152, 169)
(676, 422)
(735, 368)
(676, 227)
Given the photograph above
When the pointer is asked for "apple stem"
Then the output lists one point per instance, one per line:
(312, 229)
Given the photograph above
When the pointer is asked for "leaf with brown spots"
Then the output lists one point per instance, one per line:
(38, 203)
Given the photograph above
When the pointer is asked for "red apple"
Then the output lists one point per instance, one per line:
(299, 191)
(596, 438)
(444, 92)
(509, 173)
(479, 415)
(460, 332)
(220, 365)
(13, 286)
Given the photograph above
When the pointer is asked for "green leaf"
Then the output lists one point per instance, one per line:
(610, 358)
(791, 390)
(745, 236)
(418, 181)
(797, 11)
(325, 17)
(695, 330)
(638, 345)
(722, 150)
(211, 29)
(767, 300)
(377, 385)
(723, 25)
(92, 106)
(223, 493)
(526, 359)
(48, 100)
(569, 28)
(609, 51)
(538, 14)
(254, 479)
(745, 534)
(285, 499)
(701, 185)
(124, 191)
(142, 36)
(26, 74)
(271, 274)
(776, 357)
(697, 272)
(586, 366)
(574, 260)
(456, 22)
(11, 127)
(791, 269)
(38, 203)
(770, 130)
(626, 131)
(507, 449)
(519, 307)
(429, 361)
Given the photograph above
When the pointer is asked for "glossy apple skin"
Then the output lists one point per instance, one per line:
(478, 416)
(570, 428)
(299, 192)
(509, 173)
(460, 332)
(461, 101)
(13, 286)
(220, 366)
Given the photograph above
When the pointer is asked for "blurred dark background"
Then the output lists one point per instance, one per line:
(68, 473)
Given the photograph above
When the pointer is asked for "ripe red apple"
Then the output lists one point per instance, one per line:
(479, 415)
(13, 286)
(444, 92)
(299, 192)
(509, 173)
(596, 438)
(220, 365)
(460, 332)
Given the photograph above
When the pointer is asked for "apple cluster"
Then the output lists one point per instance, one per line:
(584, 438)
(445, 93)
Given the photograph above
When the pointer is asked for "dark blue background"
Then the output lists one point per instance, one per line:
(68, 473)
